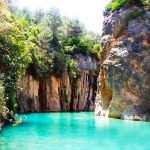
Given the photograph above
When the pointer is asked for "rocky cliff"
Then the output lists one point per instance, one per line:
(53, 94)
(124, 78)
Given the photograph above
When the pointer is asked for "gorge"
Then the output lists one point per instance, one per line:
(57, 71)
(63, 87)
(123, 82)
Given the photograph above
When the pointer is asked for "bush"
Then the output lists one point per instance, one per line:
(72, 67)
(84, 45)
(117, 4)
(96, 50)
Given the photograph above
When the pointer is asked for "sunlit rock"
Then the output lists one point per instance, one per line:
(124, 78)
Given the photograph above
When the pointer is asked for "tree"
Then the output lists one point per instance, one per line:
(5, 24)
(59, 64)
(33, 43)
(75, 28)
(15, 57)
(38, 15)
(24, 13)
(53, 21)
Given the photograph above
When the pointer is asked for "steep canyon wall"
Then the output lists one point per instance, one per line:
(124, 78)
(54, 94)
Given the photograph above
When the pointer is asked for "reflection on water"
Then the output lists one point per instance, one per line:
(101, 121)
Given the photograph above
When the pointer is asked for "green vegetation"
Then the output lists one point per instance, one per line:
(82, 45)
(117, 4)
(15, 57)
(39, 43)
(3, 108)
(72, 66)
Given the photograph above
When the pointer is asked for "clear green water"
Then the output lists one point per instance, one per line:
(75, 131)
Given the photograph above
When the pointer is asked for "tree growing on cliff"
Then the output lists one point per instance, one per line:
(59, 64)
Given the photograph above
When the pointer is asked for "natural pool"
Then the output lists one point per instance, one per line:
(75, 131)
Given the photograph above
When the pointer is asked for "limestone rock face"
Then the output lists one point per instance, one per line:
(54, 94)
(29, 88)
(86, 62)
(124, 78)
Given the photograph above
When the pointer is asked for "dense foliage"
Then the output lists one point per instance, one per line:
(39, 43)
(117, 4)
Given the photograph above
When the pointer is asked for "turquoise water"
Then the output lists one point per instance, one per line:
(75, 131)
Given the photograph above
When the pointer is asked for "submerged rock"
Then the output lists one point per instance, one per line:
(124, 85)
